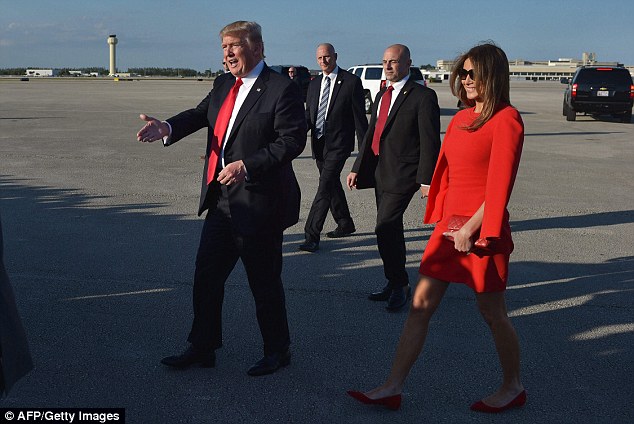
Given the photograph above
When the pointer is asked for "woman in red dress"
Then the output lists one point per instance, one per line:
(473, 179)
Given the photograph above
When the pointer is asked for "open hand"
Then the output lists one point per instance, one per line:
(152, 130)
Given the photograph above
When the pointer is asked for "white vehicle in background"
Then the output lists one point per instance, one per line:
(373, 79)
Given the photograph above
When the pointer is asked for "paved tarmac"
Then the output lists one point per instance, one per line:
(101, 233)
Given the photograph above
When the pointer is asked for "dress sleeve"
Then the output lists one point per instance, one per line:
(506, 149)
(438, 186)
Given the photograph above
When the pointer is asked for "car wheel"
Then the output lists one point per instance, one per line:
(571, 115)
(627, 118)
(368, 102)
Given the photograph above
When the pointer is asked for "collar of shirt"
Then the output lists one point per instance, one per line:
(247, 82)
(398, 86)
(332, 76)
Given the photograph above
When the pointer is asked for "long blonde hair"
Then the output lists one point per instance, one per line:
(491, 68)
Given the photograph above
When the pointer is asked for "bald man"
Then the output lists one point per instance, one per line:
(335, 113)
(397, 158)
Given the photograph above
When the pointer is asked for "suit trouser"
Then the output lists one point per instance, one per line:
(389, 234)
(219, 250)
(329, 196)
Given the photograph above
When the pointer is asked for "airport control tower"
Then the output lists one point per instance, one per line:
(112, 41)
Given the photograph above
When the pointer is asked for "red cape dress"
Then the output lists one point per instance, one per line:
(472, 168)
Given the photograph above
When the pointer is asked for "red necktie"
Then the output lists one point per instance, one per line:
(222, 122)
(386, 100)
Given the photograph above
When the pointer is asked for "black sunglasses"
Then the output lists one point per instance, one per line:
(463, 74)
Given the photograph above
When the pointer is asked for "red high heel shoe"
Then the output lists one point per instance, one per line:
(519, 400)
(390, 402)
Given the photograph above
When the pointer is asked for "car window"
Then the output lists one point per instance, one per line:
(603, 76)
(373, 73)
(358, 72)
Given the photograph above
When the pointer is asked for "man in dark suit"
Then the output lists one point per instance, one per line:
(397, 158)
(334, 110)
(256, 127)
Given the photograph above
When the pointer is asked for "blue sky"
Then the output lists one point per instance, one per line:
(72, 33)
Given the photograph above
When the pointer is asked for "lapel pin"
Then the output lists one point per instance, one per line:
(258, 89)
(338, 82)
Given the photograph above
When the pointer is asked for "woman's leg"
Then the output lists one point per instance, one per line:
(429, 293)
(493, 308)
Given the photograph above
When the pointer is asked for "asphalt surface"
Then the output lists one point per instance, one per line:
(101, 233)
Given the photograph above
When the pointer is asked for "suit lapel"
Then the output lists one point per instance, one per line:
(316, 88)
(402, 95)
(252, 98)
(335, 91)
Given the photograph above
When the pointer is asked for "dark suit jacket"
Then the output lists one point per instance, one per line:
(346, 112)
(409, 145)
(268, 133)
(16, 357)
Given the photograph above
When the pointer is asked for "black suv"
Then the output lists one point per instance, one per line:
(303, 75)
(599, 90)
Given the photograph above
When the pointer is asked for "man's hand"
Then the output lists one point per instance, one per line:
(351, 180)
(152, 130)
(233, 173)
(424, 191)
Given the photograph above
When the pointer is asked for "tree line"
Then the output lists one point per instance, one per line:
(149, 72)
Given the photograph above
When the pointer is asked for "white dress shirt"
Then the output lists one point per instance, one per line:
(333, 78)
(247, 83)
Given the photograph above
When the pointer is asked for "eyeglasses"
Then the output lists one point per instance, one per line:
(464, 73)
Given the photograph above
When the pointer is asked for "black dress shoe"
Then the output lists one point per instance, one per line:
(191, 356)
(341, 232)
(309, 246)
(381, 296)
(270, 363)
(399, 298)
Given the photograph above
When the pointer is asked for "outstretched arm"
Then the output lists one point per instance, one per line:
(152, 130)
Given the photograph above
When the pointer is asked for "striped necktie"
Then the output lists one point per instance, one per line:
(323, 105)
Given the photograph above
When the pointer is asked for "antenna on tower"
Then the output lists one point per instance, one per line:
(589, 58)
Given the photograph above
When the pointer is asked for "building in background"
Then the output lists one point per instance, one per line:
(42, 72)
(524, 70)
